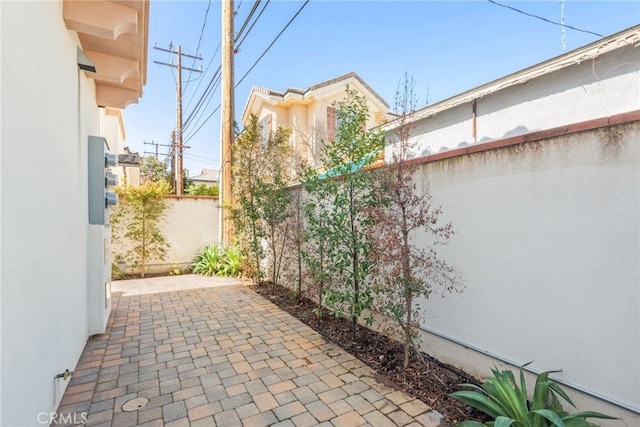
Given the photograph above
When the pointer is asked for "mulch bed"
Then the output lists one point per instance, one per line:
(426, 378)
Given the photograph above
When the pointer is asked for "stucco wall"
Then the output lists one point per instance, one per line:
(190, 224)
(548, 230)
(48, 109)
(601, 87)
(547, 243)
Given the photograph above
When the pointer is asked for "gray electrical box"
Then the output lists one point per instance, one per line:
(100, 180)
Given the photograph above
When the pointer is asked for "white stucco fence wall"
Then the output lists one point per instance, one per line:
(548, 237)
(548, 245)
(190, 224)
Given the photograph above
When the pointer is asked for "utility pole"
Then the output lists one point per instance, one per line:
(156, 151)
(177, 145)
(227, 118)
(173, 162)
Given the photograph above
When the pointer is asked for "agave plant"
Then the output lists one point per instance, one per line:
(502, 399)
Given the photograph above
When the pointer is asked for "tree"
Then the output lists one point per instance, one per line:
(155, 170)
(136, 221)
(260, 193)
(202, 189)
(296, 236)
(407, 263)
(347, 193)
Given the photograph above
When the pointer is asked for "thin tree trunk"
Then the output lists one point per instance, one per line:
(144, 242)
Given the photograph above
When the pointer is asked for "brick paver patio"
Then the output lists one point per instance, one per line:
(199, 351)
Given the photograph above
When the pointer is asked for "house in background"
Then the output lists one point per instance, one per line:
(310, 113)
(68, 69)
(207, 177)
(129, 168)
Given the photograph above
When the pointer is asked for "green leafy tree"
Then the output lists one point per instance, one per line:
(259, 193)
(348, 193)
(296, 238)
(155, 170)
(314, 246)
(408, 231)
(275, 200)
(136, 223)
(202, 190)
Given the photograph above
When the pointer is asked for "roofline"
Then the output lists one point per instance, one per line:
(627, 37)
(307, 92)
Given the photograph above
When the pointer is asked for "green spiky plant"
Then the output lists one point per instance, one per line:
(219, 261)
(502, 399)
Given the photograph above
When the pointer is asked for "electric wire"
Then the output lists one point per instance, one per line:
(247, 19)
(238, 44)
(196, 114)
(272, 43)
(208, 93)
(215, 88)
(544, 19)
(206, 70)
(204, 24)
(211, 89)
(192, 134)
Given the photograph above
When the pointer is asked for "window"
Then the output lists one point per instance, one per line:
(265, 126)
(332, 123)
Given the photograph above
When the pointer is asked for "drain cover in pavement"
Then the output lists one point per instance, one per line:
(134, 404)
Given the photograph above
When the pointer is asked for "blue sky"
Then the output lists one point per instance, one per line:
(448, 47)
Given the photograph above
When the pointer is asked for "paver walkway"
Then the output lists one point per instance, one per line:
(211, 352)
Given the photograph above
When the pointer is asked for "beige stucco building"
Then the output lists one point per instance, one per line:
(310, 113)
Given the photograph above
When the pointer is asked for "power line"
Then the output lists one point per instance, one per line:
(247, 19)
(203, 123)
(191, 135)
(273, 42)
(237, 46)
(544, 19)
(211, 88)
(203, 102)
(205, 72)
(204, 24)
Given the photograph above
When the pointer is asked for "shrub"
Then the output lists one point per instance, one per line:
(202, 190)
(218, 261)
(502, 399)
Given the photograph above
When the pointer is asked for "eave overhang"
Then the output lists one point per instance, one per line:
(114, 36)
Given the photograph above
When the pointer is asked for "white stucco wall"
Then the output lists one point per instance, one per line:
(547, 243)
(547, 232)
(48, 109)
(190, 224)
(604, 86)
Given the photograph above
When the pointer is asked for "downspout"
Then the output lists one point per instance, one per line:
(473, 120)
